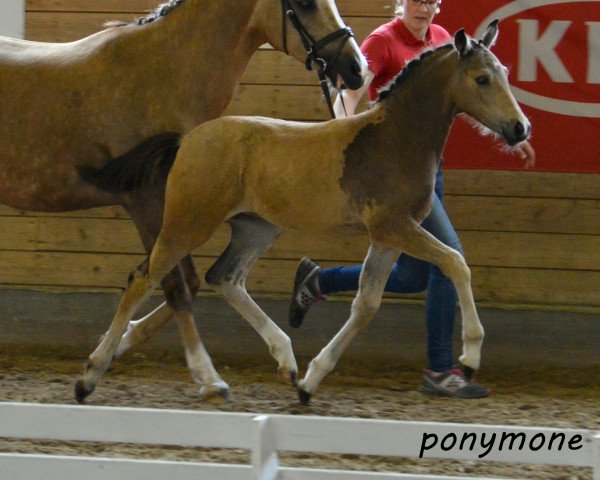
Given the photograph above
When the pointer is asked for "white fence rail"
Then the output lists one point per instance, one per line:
(264, 436)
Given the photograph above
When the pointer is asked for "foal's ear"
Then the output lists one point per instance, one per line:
(461, 42)
(490, 35)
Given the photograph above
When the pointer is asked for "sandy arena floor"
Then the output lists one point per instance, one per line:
(527, 396)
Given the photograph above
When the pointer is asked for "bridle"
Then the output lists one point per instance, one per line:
(314, 61)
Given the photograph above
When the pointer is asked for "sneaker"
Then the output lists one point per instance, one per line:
(306, 291)
(451, 383)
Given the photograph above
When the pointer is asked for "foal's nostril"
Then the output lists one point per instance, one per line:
(519, 130)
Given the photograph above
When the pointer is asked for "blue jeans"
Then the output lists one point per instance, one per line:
(410, 275)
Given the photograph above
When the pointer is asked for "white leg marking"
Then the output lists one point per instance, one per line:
(374, 275)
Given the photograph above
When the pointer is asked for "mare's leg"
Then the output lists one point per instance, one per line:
(251, 236)
(375, 272)
(416, 241)
(139, 331)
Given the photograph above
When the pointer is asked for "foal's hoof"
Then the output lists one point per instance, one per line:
(469, 373)
(288, 376)
(81, 391)
(303, 396)
(215, 394)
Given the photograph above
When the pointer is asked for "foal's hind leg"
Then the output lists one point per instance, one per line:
(251, 236)
(373, 277)
(419, 243)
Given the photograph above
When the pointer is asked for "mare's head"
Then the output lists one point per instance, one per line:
(301, 26)
(480, 87)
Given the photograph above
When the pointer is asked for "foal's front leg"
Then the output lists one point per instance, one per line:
(419, 243)
(374, 275)
(138, 291)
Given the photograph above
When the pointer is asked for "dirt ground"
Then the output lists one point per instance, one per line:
(528, 396)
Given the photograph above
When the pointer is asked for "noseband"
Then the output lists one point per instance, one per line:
(314, 61)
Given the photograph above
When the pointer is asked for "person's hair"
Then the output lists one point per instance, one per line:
(399, 8)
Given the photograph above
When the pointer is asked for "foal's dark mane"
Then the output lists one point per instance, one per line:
(160, 11)
(410, 68)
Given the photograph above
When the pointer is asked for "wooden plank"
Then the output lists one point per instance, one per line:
(85, 6)
(66, 27)
(501, 249)
(524, 214)
(522, 184)
(69, 26)
(60, 467)
(468, 213)
(126, 425)
(280, 101)
(490, 284)
(100, 212)
(457, 182)
(374, 8)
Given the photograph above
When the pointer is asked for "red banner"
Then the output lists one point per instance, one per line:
(552, 48)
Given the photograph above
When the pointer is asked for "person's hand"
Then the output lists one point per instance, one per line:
(526, 153)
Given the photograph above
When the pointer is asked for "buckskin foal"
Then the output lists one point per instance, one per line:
(375, 170)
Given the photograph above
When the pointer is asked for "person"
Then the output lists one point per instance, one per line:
(387, 50)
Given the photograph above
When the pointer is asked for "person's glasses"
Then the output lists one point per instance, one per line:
(430, 4)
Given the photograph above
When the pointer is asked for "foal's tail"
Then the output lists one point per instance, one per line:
(143, 165)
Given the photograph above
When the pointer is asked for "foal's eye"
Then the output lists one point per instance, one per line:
(482, 80)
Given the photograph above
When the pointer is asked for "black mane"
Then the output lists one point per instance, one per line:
(160, 11)
(408, 70)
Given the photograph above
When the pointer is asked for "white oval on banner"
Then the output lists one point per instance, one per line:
(548, 104)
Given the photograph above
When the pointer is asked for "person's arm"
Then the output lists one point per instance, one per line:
(527, 153)
(351, 98)
(523, 149)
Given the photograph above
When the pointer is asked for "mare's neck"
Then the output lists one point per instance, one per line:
(199, 52)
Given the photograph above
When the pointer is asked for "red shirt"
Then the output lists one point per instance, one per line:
(391, 45)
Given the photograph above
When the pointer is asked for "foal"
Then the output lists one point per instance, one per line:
(375, 170)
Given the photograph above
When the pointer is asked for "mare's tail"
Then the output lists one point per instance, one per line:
(143, 165)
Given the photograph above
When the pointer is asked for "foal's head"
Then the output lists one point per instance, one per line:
(480, 87)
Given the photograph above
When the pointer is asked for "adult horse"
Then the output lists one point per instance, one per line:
(69, 109)
(375, 170)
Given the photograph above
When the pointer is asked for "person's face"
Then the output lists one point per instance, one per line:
(419, 14)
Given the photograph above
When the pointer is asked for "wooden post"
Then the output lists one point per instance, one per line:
(12, 18)
(265, 462)
(596, 456)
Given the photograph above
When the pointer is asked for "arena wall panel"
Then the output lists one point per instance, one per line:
(530, 237)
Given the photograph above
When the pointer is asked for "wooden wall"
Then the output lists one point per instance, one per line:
(530, 238)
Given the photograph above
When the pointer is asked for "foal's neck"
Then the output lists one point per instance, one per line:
(420, 109)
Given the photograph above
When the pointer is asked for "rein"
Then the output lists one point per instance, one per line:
(314, 61)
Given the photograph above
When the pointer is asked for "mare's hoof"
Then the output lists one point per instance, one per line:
(81, 392)
(216, 395)
(288, 376)
(303, 396)
(469, 373)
